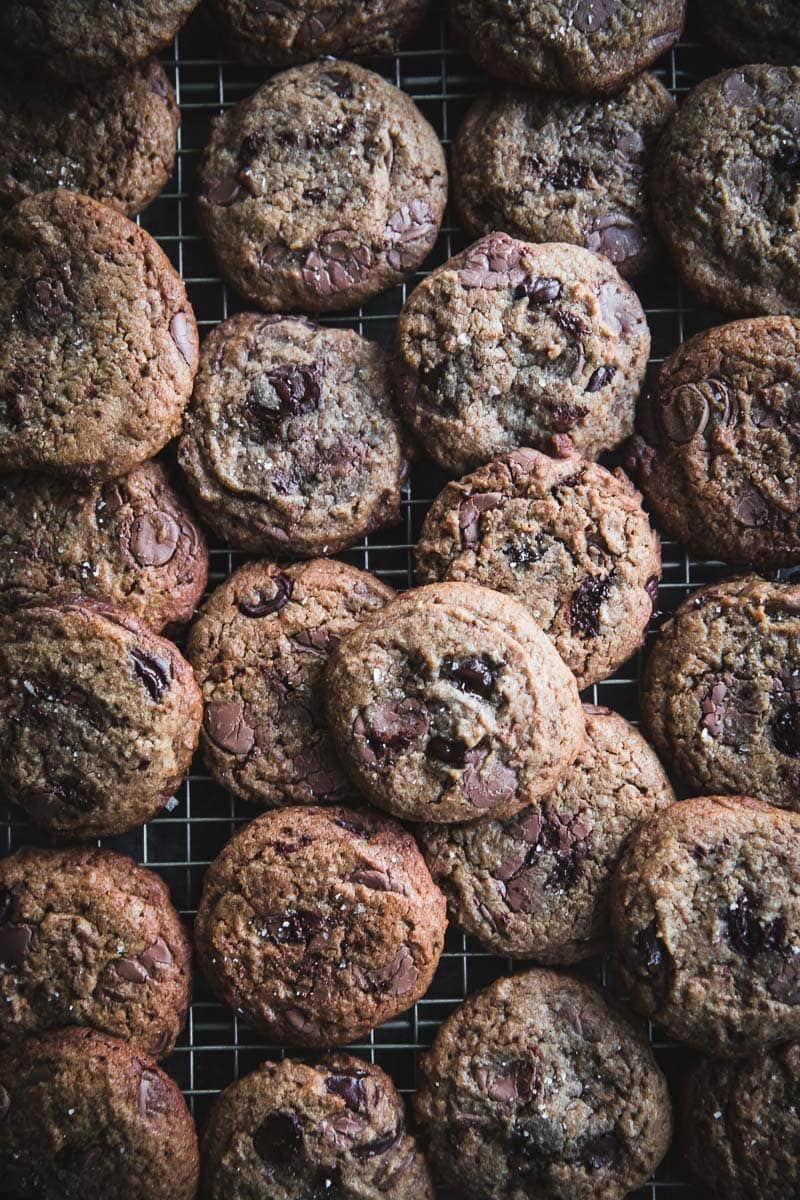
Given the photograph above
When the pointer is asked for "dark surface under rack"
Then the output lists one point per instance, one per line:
(216, 1047)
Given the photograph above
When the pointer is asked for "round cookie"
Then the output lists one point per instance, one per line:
(717, 443)
(705, 915)
(322, 189)
(90, 38)
(720, 694)
(280, 34)
(563, 169)
(451, 704)
(291, 444)
(87, 937)
(751, 31)
(98, 343)
(567, 538)
(740, 1125)
(317, 924)
(584, 46)
(258, 651)
(131, 541)
(536, 885)
(99, 717)
(724, 190)
(85, 1115)
(113, 140)
(512, 344)
(538, 1087)
(292, 1130)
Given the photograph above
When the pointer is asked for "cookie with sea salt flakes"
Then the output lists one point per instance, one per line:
(259, 650)
(513, 344)
(323, 188)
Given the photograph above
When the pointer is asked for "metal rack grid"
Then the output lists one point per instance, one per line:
(216, 1047)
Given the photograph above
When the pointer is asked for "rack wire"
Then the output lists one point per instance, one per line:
(216, 1047)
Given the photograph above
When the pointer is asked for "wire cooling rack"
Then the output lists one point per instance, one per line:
(216, 1047)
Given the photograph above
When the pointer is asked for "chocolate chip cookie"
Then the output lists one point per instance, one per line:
(705, 914)
(724, 186)
(86, 1115)
(91, 38)
(584, 46)
(451, 704)
(291, 444)
(536, 885)
(538, 1087)
(87, 937)
(280, 34)
(566, 537)
(98, 343)
(258, 651)
(511, 344)
(563, 169)
(99, 718)
(740, 1125)
(754, 31)
(322, 189)
(114, 140)
(292, 1129)
(717, 443)
(316, 924)
(720, 695)
(131, 541)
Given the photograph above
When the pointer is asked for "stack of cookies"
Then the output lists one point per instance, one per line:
(423, 756)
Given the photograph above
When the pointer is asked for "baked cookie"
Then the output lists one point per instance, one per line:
(291, 444)
(292, 1130)
(705, 915)
(724, 189)
(536, 885)
(720, 694)
(113, 140)
(740, 1125)
(753, 31)
(99, 717)
(451, 704)
(86, 1115)
(563, 169)
(280, 34)
(98, 343)
(131, 541)
(87, 937)
(585, 46)
(511, 344)
(322, 189)
(569, 539)
(717, 442)
(316, 924)
(258, 651)
(538, 1087)
(90, 38)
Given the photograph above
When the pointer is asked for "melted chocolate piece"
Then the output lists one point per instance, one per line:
(279, 1138)
(265, 606)
(470, 674)
(154, 672)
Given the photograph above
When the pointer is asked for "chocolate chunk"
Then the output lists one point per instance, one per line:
(785, 985)
(153, 539)
(379, 881)
(714, 708)
(15, 944)
(493, 262)
(349, 1086)
(526, 826)
(785, 730)
(523, 892)
(264, 606)
(568, 173)
(571, 323)
(600, 378)
(337, 262)
(322, 775)
(738, 88)
(225, 724)
(747, 934)
(378, 1145)
(616, 236)
(153, 1096)
(111, 500)
(406, 226)
(319, 641)
(651, 587)
(398, 976)
(599, 1152)
(470, 511)
(489, 787)
(155, 956)
(223, 191)
(514, 1081)
(470, 674)
(301, 1023)
(395, 725)
(451, 751)
(653, 957)
(180, 331)
(541, 290)
(279, 1138)
(341, 84)
(297, 389)
(752, 509)
(585, 604)
(590, 15)
(130, 969)
(154, 671)
(341, 1129)
(564, 418)
(295, 927)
